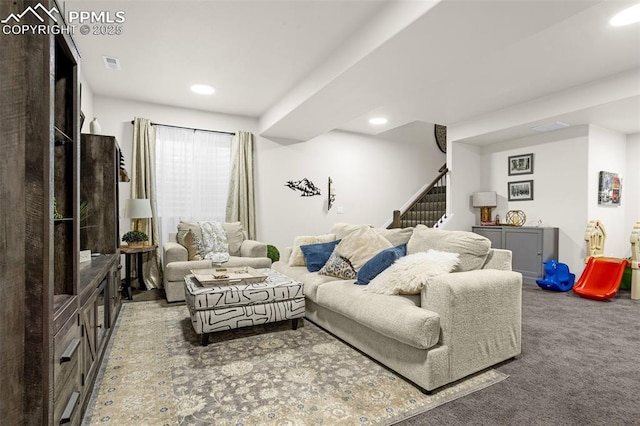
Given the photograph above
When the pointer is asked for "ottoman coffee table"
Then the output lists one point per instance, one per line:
(226, 307)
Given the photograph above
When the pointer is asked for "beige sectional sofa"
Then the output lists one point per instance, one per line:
(460, 322)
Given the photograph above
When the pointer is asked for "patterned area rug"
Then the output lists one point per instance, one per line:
(156, 373)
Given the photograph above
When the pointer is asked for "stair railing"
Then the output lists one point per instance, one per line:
(425, 215)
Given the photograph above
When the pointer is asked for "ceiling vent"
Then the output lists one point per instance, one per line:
(111, 63)
(547, 127)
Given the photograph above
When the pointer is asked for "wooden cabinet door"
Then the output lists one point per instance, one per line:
(88, 320)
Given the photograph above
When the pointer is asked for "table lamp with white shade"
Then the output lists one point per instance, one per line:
(485, 200)
(138, 209)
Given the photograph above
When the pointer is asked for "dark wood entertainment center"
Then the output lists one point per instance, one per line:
(57, 313)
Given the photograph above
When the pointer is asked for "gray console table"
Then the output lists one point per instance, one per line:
(530, 247)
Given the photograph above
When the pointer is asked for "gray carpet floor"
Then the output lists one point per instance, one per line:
(580, 365)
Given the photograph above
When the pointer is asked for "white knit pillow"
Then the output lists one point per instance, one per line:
(408, 274)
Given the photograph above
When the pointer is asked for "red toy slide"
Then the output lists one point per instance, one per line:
(601, 278)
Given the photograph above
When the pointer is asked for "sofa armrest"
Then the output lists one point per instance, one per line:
(480, 316)
(498, 259)
(174, 252)
(252, 248)
(285, 254)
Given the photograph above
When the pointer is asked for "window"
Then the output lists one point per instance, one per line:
(192, 176)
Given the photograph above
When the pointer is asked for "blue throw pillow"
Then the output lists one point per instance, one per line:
(379, 263)
(316, 255)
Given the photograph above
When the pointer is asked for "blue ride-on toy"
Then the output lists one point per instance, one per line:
(556, 277)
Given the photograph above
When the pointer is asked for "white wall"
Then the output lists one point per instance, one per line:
(464, 162)
(372, 175)
(559, 183)
(631, 186)
(86, 103)
(566, 167)
(607, 152)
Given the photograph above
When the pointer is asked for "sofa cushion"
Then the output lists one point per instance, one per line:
(361, 245)
(316, 255)
(396, 236)
(338, 267)
(473, 248)
(409, 274)
(311, 280)
(175, 271)
(342, 229)
(379, 263)
(297, 257)
(396, 317)
(235, 236)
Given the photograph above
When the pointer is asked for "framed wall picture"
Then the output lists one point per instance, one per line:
(609, 189)
(521, 164)
(521, 190)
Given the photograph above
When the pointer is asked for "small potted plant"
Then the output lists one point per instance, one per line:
(135, 238)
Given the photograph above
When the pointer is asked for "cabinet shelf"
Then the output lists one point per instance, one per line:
(63, 220)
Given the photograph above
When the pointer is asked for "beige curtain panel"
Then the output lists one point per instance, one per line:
(240, 202)
(143, 185)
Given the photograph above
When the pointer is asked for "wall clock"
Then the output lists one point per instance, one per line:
(440, 132)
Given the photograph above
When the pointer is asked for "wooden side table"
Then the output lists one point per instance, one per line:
(128, 252)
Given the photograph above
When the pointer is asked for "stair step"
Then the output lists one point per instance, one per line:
(428, 206)
(438, 189)
(433, 199)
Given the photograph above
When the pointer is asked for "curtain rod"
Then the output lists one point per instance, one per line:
(190, 128)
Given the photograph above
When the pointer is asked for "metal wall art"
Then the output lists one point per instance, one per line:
(332, 194)
(305, 186)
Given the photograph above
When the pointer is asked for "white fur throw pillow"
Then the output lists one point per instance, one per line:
(408, 274)
(297, 257)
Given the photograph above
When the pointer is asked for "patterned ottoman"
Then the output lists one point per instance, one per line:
(216, 308)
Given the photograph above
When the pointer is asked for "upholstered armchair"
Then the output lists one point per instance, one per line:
(183, 252)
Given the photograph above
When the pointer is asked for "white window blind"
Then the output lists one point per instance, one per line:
(192, 176)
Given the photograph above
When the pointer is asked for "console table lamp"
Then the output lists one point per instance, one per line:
(485, 200)
(137, 209)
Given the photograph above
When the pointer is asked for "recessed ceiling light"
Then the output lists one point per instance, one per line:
(378, 121)
(629, 16)
(202, 89)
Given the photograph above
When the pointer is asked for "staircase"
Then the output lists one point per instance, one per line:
(429, 208)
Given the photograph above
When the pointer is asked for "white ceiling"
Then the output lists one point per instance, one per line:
(306, 67)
